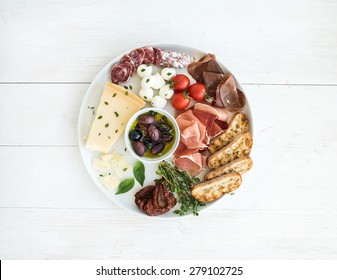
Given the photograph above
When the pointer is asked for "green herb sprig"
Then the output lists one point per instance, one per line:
(180, 183)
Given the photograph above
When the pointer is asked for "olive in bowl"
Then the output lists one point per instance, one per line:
(152, 135)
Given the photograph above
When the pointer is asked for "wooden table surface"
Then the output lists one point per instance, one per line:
(283, 52)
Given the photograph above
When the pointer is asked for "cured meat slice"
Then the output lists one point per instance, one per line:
(233, 99)
(128, 63)
(137, 56)
(217, 100)
(119, 73)
(182, 150)
(208, 121)
(220, 113)
(190, 136)
(130, 67)
(216, 130)
(148, 55)
(168, 58)
(125, 58)
(211, 81)
(222, 124)
(193, 164)
(207, 63)
(192, 131)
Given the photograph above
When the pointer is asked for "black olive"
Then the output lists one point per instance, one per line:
(154, 133)
(148, 143)
(139, 148)
(135, 135)
(166, 137)
(146, 119)
(156, 149)
(163, 126)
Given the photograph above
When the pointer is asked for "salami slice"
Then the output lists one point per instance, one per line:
(119, 73)
(167, 58)
(137, 56)
(128, 63)
(130, 67)
(125, 58)
(149, 55)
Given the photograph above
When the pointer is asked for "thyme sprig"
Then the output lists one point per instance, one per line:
(180, 183)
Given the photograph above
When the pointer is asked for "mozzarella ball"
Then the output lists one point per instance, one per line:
(166, 92)
(147, 82)
(168, 73)
(158, 102)
(144, 70)
(146, 94)
(158, 81)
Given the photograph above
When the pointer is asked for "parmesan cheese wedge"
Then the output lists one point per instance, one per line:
(116, 107)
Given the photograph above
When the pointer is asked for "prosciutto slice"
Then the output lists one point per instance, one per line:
(220, 113)
(192, 131)
(227, 95)
(193, 163)
(182, 150)
(197, 127)
(208, 121)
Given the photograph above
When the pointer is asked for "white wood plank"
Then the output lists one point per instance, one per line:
(47, 177)
(114, 234)
(281, 178)
(285, 116)
(261, 42)
(43, 115)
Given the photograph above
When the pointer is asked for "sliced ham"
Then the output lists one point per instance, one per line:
(197, 127)
(183, 151)
(207, 120)
(193, 164)
(230, 96)
(216, 130)
(223, 125)
(192, 131)
(190, 136)
(220, 113)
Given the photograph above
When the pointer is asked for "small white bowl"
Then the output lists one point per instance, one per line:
(129, 142)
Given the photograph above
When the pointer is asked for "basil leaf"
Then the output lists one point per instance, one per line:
(125, 185)
(139, 172)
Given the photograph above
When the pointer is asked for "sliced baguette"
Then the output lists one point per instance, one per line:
(239, 124)
(239, 147)
(216, 188)
(240, 165)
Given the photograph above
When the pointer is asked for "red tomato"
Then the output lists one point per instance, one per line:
(180, 100)
(197, 91)
(180, 82)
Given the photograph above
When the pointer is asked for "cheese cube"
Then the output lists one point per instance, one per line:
(109, 181)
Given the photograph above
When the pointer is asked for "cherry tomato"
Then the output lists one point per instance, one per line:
(180, 100)
(197, 91)
(180, 82)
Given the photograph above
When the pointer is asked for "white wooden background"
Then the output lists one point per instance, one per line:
(283, 52)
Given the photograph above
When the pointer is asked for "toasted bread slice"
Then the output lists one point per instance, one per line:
(216, 188)
(239, 147)
(239, 124)
(240, 165)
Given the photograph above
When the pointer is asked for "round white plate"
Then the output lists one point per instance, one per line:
(91, 99)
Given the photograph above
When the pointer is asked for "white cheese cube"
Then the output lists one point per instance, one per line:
(109, 181)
